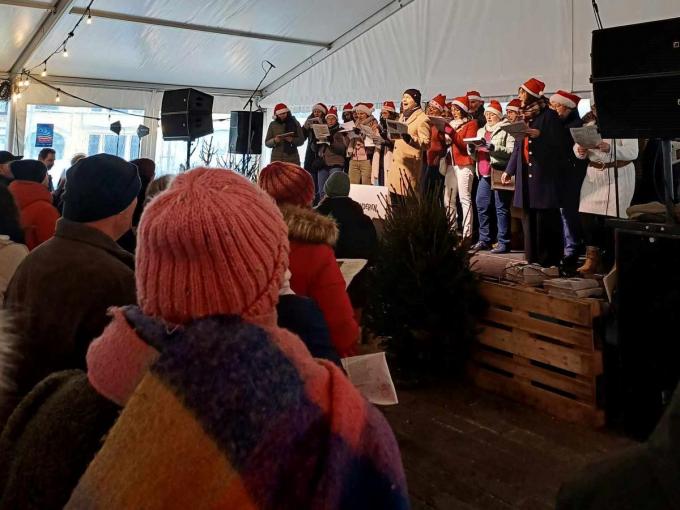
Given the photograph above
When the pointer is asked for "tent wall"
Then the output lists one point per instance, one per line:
(451, 46)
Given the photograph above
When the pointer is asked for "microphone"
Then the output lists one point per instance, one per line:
(268, 62)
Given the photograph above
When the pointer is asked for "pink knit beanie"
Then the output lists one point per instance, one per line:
(288, 183)
(213, 243)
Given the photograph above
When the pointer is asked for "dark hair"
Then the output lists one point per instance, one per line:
(158, 185)
(146, 169)
(9, 217)
(46, 152)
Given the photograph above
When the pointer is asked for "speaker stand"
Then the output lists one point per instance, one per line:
(188, 155)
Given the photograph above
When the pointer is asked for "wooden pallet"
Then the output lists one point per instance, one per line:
(540, 350)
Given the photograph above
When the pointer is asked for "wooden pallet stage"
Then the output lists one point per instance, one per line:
(540, 350)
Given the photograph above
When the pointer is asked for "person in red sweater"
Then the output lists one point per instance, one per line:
(29, 188)
(315, 272)
(459, 179)
(433, 181)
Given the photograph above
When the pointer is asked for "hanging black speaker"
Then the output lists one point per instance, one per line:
(636, 79)
(243, 126)
(186, 114)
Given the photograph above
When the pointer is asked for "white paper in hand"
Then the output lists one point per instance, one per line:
(350, 268)
(321, 130)
(587, 137)
(370, 374)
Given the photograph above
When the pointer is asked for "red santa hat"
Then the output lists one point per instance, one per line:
(534, 87)
(332, 111)
(280, 108)
(438, 102)
(462, 102)
(367, 108)
(565, 98)
(495, 107)
(514, 106)
(388, 106)
(320, 106)
(474, 95)
(347, 108)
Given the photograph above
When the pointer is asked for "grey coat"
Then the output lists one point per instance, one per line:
(283, 150)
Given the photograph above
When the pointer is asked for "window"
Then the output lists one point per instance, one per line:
(81, 129)
(171, 156)
(4, 115)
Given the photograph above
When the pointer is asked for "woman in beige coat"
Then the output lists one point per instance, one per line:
(408, 151)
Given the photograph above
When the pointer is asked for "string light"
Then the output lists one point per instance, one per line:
(18, 95)
(65, 52)
(89, 17)
(57, 99)
(44, 71)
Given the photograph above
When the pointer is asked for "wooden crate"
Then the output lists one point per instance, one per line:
(540, 350)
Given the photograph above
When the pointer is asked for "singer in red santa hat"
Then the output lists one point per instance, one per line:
(284, 136)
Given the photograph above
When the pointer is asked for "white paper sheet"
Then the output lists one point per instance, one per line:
(587, 137)
(350, 268)
(370, 374)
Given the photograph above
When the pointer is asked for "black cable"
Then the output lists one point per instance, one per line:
(598, 19)
(104, 107)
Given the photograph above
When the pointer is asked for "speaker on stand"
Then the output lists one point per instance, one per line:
(186, 114)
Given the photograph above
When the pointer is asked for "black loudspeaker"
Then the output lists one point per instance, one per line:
(244, 125)
(646, 365)
(186, 114)
(636, 79)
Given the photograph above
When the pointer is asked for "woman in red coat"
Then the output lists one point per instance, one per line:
(29, 188)
(315, 271)
(460, 177)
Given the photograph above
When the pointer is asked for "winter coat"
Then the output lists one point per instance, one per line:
(283, 150)
(538, 184)
(598, 191)
(382, 158)
(316, 274)
(60, 294)
(11, 255)
(302, 316)
(366, 140)
(437, 148)
(38, 215)
(502, 145)
(223, 413)
(333, 155)
(408, 158)
(311, 163)
(573, 177)
(50, 439)
(357, 236)
(459, 146)
(645, 476)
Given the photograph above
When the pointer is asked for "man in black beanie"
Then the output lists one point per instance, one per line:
(61, 291)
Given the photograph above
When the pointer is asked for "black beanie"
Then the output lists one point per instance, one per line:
(98, 187)
(415, 94)
(28, 170)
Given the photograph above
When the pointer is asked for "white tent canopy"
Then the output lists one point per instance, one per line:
(323, 50)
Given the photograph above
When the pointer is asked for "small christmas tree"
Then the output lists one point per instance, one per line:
(423, 296)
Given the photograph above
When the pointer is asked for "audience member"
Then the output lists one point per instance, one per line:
(284, 148)
(158, 186)
(58, 195)
(146, 169)
(315, 272)
(493, 155)
(12, 242)
(459, 178)
(267, 441)
(29, 188)
(408, 150)
(61, 291)
(47, 156)
(5, 173)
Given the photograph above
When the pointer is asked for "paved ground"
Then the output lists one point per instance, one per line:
(467, 449)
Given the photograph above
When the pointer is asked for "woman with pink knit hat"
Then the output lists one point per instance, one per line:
(315, 272)
(221, 408)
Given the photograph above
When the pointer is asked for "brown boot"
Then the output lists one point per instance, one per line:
(592, 263)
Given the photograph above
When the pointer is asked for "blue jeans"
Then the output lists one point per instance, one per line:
(489, 202)
(323, 176)
(571, 228)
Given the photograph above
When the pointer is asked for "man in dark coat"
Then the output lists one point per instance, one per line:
(60, 293)
(565, 105)
(539, 162)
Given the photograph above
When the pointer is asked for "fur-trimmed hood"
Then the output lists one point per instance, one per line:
(308, 226)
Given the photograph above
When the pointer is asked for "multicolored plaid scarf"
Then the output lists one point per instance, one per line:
(232, 415)
(533, 110)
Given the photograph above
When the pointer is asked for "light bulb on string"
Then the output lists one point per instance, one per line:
(65, 52)
(18, 95)
(27, 82)
(44, 72)
(57, 99)
(89, 17)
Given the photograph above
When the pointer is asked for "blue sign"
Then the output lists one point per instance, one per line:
(44, 136)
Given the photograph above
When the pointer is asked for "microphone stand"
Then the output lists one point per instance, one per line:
(246, 161)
